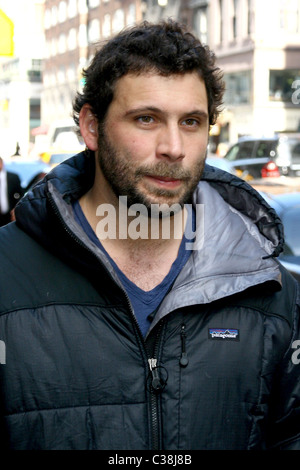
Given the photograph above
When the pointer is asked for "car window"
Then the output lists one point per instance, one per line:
(59, 157)
(232, 152)
(266, 149)
(296, 150)
(240, 150)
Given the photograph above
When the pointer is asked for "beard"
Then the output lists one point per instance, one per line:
(124, 176)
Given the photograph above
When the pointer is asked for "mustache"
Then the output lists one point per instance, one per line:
(162, 169)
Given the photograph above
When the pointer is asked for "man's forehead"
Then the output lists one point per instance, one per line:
(151, 89)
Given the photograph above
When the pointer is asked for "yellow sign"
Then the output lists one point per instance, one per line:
(6, 35)
(4, 105)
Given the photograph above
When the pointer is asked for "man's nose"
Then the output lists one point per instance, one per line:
(170, 143)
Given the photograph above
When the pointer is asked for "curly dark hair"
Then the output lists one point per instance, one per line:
(166, 48)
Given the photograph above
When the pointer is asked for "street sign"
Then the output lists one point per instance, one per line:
(6, 35)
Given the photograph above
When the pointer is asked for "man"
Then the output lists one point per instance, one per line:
(10, 193)
(151, 312)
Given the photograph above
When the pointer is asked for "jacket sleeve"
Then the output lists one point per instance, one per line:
(285, 419)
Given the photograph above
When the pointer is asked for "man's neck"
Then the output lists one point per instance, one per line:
(143, 247)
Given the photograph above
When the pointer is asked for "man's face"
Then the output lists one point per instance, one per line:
(152, 146)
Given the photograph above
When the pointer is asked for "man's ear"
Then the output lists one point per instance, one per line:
(88, 127)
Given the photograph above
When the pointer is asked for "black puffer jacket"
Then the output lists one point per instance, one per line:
(75, 372)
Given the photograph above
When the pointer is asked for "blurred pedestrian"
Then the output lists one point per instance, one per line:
(17, 151)
(10, 193)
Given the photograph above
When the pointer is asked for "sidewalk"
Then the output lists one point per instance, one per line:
(283, 184)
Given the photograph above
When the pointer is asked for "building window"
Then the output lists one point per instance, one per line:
(131, 15)
(54, 16)
(94, 30)
(249, 17)
(35, 73)
(200, 24)
(118, 20)
(72, 8)
(82, 6)
(289, 15)
(281, 84)
(234, 18)
(106, 27)
(72, 39)
(94, 3)
(237, 88)
(34, 76)
(47, 19)
(82, 36)
(62, 12)
(221, 20)
(62, 45)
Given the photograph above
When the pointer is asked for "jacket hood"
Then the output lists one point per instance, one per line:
(220, 264)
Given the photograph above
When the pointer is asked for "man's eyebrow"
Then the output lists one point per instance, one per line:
(142, 110)
(198, 112)
(154, 109)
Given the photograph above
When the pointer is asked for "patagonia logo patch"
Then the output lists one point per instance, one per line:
(222, 334)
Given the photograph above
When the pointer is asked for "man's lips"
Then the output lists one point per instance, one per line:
(165, 180)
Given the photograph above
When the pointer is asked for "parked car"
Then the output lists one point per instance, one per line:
(287, 206)
(265, 157)
(221, 163)
(56, 158)
(30, 171)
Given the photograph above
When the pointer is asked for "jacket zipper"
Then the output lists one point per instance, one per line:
(183, 358)
(157, 384)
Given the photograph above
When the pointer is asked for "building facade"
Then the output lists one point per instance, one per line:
(258, 47)
(73, 29)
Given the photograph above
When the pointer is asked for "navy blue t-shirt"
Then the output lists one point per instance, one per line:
(144, 303)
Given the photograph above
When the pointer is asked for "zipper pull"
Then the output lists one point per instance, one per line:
(157, 383)
(183, 358)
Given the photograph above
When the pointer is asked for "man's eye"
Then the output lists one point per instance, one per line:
(145, 119)
(190, 122)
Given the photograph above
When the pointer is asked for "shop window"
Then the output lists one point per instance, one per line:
(281, 84)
